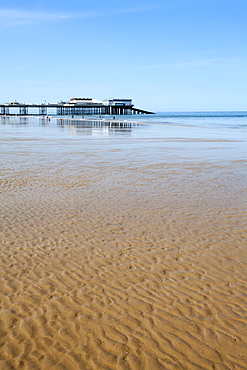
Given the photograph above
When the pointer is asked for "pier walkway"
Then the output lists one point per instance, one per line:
(68, 109)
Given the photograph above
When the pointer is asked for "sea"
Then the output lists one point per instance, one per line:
(234, 119)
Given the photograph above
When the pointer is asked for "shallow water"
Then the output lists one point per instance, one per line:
(123, 244)
(191, 135)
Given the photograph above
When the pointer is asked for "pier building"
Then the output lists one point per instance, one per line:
(85, 101)
(118, 102)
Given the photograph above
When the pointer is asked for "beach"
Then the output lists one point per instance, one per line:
(123, 245)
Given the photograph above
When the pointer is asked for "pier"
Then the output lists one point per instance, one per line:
(76, 106)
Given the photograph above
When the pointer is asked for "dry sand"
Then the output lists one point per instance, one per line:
(122, 265)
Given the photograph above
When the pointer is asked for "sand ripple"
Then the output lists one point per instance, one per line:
(149, 275)
(126, 307)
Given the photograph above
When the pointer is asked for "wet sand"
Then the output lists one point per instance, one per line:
(121, 252)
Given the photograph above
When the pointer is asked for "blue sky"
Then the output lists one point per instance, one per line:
(167, 55)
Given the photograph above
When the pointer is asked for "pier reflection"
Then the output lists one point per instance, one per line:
(44, 121)
(76, 126)
(96, 126)
(8, 120)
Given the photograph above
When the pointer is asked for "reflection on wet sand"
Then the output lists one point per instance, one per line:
(106, 125)
(111, 124)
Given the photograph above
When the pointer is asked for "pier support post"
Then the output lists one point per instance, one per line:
(5, 110)
(23, 111)
(42, 111)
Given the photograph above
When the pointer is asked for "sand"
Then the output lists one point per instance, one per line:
(121, 260)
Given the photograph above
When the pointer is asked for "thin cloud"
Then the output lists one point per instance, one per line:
(110, 13)
(191, 63)
(15, 17)
(198, 62)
